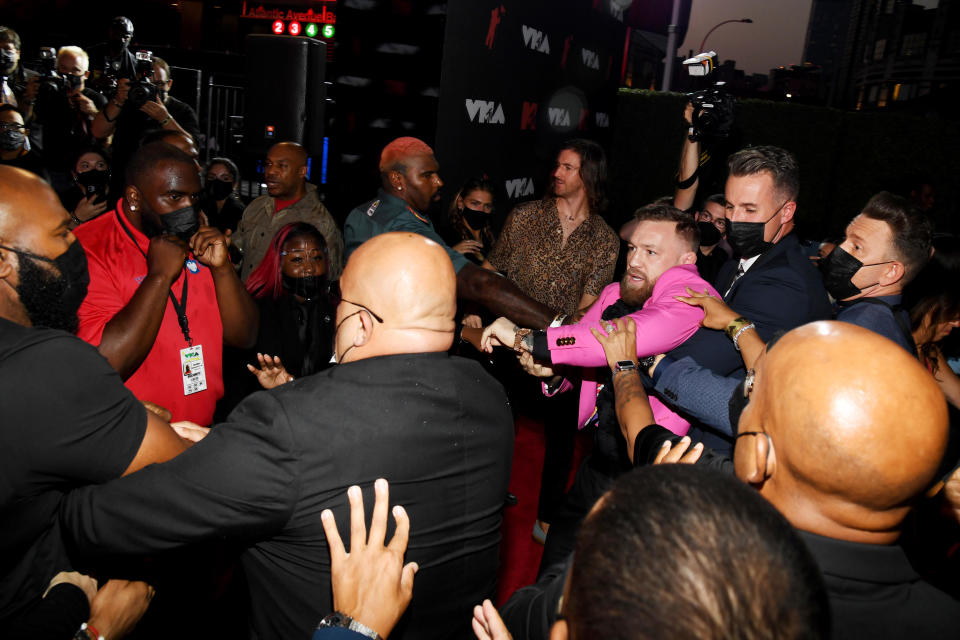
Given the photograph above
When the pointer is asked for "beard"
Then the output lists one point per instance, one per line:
(42, 295)
(635, 294)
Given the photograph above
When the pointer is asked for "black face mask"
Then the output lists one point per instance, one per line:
(94, 182)
(709, 234)
(838, 269)
(475, 218)
(219, 189)
(307, 287)
(52, 300)
(73, 81)
(746, 238)
(182, 223)
(12, 140)
(7, 62)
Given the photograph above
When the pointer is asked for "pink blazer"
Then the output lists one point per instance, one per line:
(662, 324)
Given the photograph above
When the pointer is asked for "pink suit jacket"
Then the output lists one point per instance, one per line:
(662, 324)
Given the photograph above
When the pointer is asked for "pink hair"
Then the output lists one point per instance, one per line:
(401, 148)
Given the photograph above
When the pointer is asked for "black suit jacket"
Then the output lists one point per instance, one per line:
(782, 290)
(437, 427)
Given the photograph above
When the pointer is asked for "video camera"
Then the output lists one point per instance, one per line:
(142, 89)
(712, 107)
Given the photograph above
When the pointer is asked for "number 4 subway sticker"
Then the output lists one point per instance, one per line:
(192, 370)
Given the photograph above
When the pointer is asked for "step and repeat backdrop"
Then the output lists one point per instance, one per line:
(520, 77)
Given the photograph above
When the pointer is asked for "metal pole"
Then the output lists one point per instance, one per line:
(671, 46)
(703, 43)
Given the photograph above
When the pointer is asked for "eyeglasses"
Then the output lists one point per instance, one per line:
(12, 126)
(363, 308)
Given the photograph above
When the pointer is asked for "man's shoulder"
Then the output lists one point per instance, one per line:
(175, 104)
(258, 204)
(682, 275)
(532, 207)
(40, 344)
(603, 231)
(94, 235)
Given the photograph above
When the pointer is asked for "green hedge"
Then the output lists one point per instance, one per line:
(845, 156)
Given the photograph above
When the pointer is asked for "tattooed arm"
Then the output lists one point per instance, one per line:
(633, 407)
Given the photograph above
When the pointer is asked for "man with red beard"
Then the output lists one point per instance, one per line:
(661, 265)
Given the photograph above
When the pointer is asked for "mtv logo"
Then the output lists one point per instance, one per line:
(602, 119)
(535, 39)
(528, 119)
(590, 59)
(559, 117)
(485, 112)
(519, 187)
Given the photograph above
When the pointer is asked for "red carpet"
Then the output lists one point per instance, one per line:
(519, 552)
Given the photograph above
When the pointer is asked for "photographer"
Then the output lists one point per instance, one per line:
(112, 60)
(141, 106)
(15, 88)
(65, 108)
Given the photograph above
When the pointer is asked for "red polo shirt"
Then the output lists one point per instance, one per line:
(117, 268)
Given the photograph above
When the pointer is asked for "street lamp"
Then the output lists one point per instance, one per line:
(703, 44)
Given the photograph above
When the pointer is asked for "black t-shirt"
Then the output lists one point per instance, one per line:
(66, 130)
(132, 124)
(68, 421)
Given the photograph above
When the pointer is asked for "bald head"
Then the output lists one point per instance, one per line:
(409, 282)
(33, 221)
(858, 428)
(285, 171)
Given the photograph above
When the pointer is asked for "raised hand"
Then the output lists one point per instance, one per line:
(717, 315)
(499, 334)
(271, 373)
(487, 623)
(533, 367)
(620, 341)
(680, 453)
(210, 246)
(370, 583)
(165, 257)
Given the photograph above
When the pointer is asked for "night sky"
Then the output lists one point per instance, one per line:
(775, 38)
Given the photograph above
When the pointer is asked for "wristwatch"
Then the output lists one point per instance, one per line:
(624, 365)
(337, 619)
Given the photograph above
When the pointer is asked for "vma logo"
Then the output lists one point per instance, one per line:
(559, 117)
(536, 40)
(485, 112)
(519, 187)
(590, 59)
(528, 118)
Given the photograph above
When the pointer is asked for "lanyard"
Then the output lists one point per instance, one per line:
(179, 306)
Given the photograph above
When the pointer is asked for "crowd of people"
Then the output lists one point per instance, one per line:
(201, 394)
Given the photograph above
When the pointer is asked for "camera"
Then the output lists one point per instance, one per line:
(142, 89)
(50, 82)
(712, 106)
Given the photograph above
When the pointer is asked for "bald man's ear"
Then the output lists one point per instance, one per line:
(7, 261)
(364, 329)
(690, 257)
(302, 172)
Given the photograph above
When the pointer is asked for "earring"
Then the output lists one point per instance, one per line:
(133, 207)
(399, 188)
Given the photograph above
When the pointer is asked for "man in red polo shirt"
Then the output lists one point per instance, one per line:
(163, 296)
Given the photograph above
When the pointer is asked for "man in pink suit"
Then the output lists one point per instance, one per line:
(661, 264)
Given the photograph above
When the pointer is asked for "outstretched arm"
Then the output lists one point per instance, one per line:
(502, 297)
